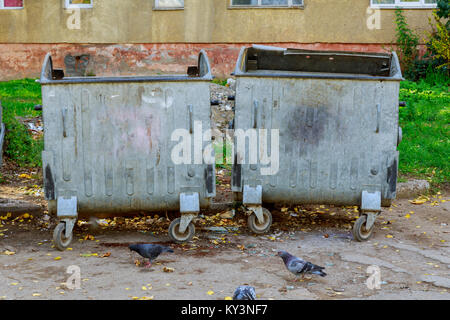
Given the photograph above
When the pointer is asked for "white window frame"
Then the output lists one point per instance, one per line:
(260, 5)
(2, 6)
(156, 6)
(79, 5)
(404, 5)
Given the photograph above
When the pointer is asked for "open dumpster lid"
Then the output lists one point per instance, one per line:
(266, 61)
(201, 72)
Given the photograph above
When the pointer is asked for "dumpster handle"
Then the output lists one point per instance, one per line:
(255, 114)
(64, 116)
(378, 117)
(191, 118)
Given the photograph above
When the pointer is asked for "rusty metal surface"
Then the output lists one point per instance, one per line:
(338, 137)
(108, 141)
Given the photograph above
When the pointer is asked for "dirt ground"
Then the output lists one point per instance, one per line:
(410, 246)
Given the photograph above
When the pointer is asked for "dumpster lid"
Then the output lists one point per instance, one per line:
(267, 61)
(201, 72)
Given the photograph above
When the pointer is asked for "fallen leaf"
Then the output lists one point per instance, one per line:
(168, 270)
(57, 258)
(210, 292)
(106, 255)
(228, 298)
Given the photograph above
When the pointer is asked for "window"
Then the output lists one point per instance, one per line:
(70, 4)
(266, 3)
(411, 4)
(11, 4)
(169, 4)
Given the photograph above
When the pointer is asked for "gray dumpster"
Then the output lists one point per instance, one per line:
(108, 143)
(336, 114)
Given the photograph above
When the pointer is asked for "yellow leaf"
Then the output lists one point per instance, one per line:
(57, 258)
(228, 298)
(408, 216)
(389, 236)
(37, 294)
(144, 288)
(9, 253)
(210, 292)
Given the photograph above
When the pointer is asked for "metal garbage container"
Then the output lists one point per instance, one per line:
(336, 117)
(108, 144)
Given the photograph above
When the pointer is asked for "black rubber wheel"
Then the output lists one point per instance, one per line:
(260, 228)
(360, 233)
(59, 237)
(178, 237)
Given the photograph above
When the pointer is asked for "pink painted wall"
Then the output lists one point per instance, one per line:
(25, 60)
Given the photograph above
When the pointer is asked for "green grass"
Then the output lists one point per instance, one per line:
(18, 99)
(425, 149)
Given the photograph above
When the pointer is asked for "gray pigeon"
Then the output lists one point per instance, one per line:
(150, 251)
(299, 267)
(244, 293)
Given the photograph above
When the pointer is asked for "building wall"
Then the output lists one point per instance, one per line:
(129, 37)
(202, 21)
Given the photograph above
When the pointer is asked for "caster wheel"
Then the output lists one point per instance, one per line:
(257, 227)
(179, 237)
(59, 237)
(360, 233)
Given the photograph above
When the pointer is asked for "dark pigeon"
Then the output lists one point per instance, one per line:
(299, 267)
(150, 251)
(245, 293)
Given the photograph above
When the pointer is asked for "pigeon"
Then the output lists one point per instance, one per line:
(298, 266)
(244, 293)
(150, 251)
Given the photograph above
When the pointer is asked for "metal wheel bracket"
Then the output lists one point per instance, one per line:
(189, 202)
(371, 201)
(70, 224)
(371, 217)
(67, 207)
(252, 195)
(189, 209)
(186, 219)
(258, 211)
